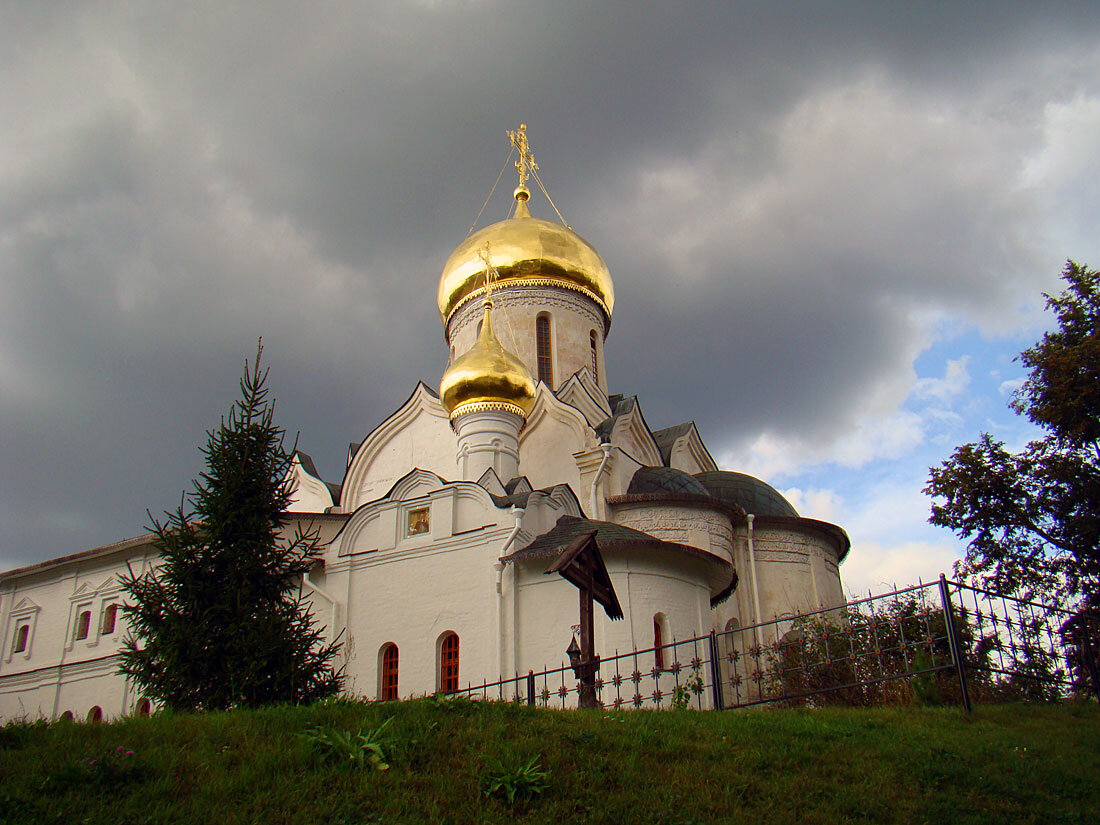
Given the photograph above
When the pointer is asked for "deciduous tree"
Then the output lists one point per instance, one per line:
(1033, 517)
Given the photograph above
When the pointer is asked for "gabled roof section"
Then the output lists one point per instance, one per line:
(414, 484)
(518, 485)
(673, 440)
(627, 427)
(491, 482)
(580, 390)
(311, 493)
(560, 493)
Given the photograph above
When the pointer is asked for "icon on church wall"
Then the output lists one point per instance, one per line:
(418, 521)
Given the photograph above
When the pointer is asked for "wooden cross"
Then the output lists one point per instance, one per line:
(581, 565)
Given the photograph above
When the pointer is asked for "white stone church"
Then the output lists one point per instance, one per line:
(449, 512)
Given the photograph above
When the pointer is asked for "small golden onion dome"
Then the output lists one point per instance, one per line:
(529, 249)
(487, 377)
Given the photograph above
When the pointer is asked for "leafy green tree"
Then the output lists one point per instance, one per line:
(1033, 517)
(219, 622)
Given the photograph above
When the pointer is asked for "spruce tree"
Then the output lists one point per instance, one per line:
(219, 622)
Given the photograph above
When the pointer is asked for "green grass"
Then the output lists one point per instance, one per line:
(1004, 764)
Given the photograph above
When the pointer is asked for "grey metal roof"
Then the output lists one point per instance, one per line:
(747, 492)
(649, 480)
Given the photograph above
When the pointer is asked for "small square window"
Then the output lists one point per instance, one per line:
(419, 521)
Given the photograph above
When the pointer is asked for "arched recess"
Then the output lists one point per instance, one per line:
(388, 661)
(544, 349)
(95, 715)
(661, 641)
(447, 661)
(143, 708)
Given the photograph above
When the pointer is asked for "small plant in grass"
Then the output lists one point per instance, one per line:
(365, 749)
(691, 686)
(107, 773)
(515, 779)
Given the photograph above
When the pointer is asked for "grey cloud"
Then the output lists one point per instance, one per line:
(174, 184)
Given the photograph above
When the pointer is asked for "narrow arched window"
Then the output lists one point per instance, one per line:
(143, 707)
(109, 617)
(387, 688)
(658, 642)
(83, 622)
(595, 357)
(448, 663)
(22, 634)
(67, 716)
(545, 360)
(95, 715)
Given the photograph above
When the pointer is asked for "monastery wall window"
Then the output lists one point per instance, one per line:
(595, 356)
(544, 359)
(83, 623)
(387, 683)
(67, 716)
(95, 715)
(143, 707)
(448, 662)
(660, 639)
(110, 616)
(22, 637)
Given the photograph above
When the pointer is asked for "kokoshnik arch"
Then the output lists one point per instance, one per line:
(449, 511)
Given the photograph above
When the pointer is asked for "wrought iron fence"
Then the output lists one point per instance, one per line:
(933, 643)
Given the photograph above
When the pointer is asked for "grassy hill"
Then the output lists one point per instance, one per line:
(1004, 764)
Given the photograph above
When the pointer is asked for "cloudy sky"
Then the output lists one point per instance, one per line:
(829, 227)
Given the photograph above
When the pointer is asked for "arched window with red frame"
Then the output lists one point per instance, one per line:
(110, 615)
(387, 687)
(83, 623)
(448, 663)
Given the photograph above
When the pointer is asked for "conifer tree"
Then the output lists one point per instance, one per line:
(220, 622)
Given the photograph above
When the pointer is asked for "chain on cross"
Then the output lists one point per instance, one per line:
(491, 273)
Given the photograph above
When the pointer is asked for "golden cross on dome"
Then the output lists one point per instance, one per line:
(491, 273)
(526, 165)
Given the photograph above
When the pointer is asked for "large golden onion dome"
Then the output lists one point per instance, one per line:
(525, 249)
(487, 377)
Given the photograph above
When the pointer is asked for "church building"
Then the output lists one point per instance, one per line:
(438, 536)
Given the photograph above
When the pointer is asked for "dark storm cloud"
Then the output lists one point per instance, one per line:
(784, 196)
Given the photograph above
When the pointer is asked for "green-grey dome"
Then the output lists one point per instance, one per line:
(650, 480)
(747, 492)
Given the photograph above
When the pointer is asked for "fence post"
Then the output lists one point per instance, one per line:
(530, 687)
(953, 641)
(1088, 659)
(715, 673)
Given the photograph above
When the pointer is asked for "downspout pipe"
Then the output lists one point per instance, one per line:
(755, 581)
(596, 481)
(517, 514)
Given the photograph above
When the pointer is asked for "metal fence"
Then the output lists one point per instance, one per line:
(932, 643)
